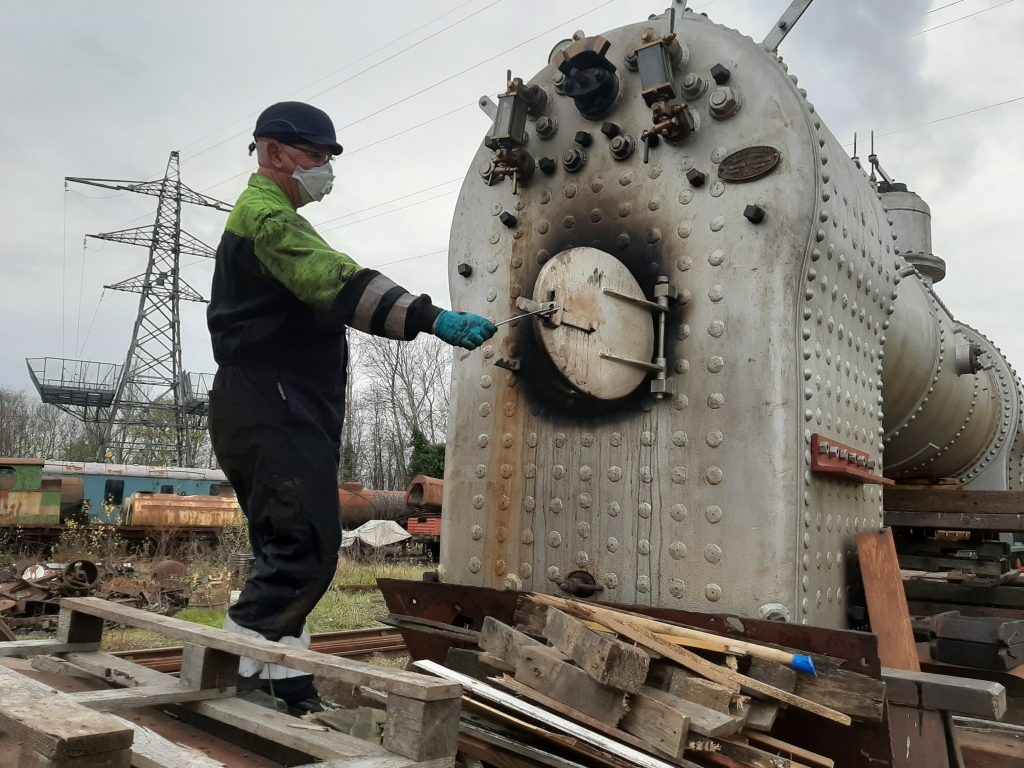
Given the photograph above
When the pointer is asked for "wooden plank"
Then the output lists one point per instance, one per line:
(773, 673)
(207, 669)
(930, 499)
(476, 664)
(332, 667)
(993, 745)
(887, 605)
(243, 715)
(594, 756)
(28, 648)
(660, 719)
(515, 746)
(980, 698)
(531, 618)
(594, 738)
(503, 642)
(761, 716)
(804, 755)
(543, 669)
(145, 696)
(119, 759)
(28, 710)
(151, 750)
(1004, 522)
(704, 692)
(607, 660)
(381, 761)
(422, 730)
(692, 661)
(859, 696)
(703, 720)
(573, 714)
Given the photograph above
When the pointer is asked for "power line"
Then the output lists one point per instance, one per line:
(471, 68)
(392, 200)
(943, 119)
(962, 18)
(357, 74)
(393, 210)
(947, 5)
(408, 258)
(352, 63)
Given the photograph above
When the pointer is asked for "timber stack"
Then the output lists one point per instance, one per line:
(579, 684)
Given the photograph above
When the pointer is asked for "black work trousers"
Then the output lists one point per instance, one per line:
(277, 438)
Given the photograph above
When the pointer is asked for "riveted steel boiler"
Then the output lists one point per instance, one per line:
(734, 340)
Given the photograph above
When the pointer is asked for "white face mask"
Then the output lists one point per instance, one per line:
(314, 183)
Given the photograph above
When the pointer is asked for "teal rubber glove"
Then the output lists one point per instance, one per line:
(463, 329)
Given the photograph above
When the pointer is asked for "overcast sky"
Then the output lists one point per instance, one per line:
(108, 89)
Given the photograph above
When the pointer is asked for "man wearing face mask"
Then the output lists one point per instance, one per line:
(281, 300)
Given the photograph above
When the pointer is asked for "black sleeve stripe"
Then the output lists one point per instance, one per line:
(348, 297)
(380, 314)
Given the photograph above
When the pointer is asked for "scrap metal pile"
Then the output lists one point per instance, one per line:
(574, 684)
(30, 593)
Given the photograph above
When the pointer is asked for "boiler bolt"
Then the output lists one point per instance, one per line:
(464, 269)
(721, 74)
(546, 127)
(622, 147)
(723, 102)
(694, 85)
(753, 213)
(508, 219)
(574, 159)
(611, 130)
(695, 177)
(547, 165)
(584, 139)
(631, 63)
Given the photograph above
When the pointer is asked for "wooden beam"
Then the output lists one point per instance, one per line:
(151, 750)
(543, 669)
(979, 698)
(887, 605)
(422, 730)
(556, 706)
(932, 499)
(947, 592)
(503, 642)
(145, 696)
(27, 648)
(250, 718)
(607, 660)
(332, 667)
(660, 719)
(29, 713)
(619, 622)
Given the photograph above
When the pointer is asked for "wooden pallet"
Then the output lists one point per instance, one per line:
(59, 730)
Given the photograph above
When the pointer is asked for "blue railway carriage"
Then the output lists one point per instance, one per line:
(105, 486)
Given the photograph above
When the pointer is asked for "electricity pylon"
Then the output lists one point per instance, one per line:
(149, 409)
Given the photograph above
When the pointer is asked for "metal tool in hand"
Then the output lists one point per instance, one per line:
(545, 311)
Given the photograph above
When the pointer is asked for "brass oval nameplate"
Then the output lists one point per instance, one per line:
(748, 164)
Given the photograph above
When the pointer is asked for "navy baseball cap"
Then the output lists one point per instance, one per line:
(294, 122)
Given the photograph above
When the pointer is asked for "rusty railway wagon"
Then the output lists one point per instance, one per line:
(735, 342)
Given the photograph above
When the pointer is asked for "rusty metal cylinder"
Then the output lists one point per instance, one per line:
(425, 493)
(360, 505)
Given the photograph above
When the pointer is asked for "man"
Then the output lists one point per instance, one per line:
(281, 301)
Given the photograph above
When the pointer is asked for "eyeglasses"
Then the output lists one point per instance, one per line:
(318, 156)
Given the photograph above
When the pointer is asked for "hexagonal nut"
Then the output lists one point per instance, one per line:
(723, 102)
(464, 269)
(694, 85)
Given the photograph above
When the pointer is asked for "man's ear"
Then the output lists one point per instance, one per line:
(275, 154)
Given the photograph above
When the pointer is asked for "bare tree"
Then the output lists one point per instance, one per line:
(395, 387)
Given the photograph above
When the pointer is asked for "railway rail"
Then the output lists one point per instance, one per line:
(354, 643)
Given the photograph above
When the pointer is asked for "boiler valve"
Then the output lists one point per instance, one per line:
(508, 133)
(656, 60)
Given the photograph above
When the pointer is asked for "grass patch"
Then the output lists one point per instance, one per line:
(358, 572)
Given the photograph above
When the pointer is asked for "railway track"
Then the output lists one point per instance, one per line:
(354, 643)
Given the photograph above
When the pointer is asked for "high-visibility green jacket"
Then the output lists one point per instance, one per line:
(282, 297)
